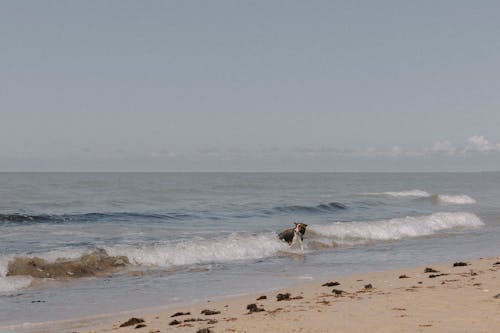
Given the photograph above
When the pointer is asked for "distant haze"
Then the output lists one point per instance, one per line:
(249, 86)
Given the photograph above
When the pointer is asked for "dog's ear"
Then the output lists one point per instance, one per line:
(305, 225)
(296, 223)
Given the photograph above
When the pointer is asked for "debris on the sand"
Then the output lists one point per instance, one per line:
(195, 319)
(432, 276)
(140, 326)
(283, 297)
(174, 322)
(132, 321)
(180, 314)
(330, 284)
(497, 263)
(497, 296)
(460, 263)
(404, 276)
(204, 330)
(368, 286)
(207, 312)
(254, 308)
(261, 297)
(337, 292)
(430, 270)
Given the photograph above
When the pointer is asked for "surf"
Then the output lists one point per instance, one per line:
(363, 232)
(447, 199)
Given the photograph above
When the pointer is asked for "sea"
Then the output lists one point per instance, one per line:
(89, 244)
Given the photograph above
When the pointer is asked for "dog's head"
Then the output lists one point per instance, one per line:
(300, 228)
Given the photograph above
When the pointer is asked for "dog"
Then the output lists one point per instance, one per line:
(294, 235)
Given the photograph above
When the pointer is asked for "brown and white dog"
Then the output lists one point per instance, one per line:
(294, 235)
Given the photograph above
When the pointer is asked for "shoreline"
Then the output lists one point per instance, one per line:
(461, 298)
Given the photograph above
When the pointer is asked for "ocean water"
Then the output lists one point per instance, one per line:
(171, 238)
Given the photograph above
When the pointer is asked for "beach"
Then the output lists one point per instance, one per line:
(451, 297)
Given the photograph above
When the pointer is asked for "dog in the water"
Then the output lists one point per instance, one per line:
(294, 235)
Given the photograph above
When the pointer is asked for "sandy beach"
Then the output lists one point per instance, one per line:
(451, 297)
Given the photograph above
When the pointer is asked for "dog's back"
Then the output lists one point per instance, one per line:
(287, 235)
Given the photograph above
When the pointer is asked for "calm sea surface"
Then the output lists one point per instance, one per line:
(192, 236)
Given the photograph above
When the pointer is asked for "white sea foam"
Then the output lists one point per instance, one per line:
(200, 251)
(459, 199)
(397, 228)
(455, 199)
(401, 194)
(13, 283)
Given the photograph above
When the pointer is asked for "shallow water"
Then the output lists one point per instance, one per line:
(190, 236)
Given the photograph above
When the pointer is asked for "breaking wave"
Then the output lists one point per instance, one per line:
(401, 194)
(94, 263)
(454, 199)
(18, 272)
(348, 233)
(459, 199)
(202, 251)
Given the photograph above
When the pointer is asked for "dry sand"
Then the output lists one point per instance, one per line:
(454, 299)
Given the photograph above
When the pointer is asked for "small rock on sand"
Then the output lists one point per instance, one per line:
(140, 326)
(497, 296)
(204, 330)
(283, 297)
(207, 312)
(368, 286)
(254, 308)
(331, 284)
(404, 276)
(174, 322)
(132, 321)
(460, 263)
(261, 297)
(180, 314)
(337, 291)
(430, 270)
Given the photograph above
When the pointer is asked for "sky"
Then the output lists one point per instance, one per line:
(249, 85)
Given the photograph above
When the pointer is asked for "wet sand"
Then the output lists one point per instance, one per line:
(451, 297)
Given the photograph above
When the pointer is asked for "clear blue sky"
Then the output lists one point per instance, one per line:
(249, 85)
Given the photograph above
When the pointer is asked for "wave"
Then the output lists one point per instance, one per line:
(318, 209)
(401, 194)
(460, 199)
(348, 233)
(69, 264)
(202, 251)
(454, 199)
(94, 263)
(17, 218)
(20, 218)
(16, 272)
